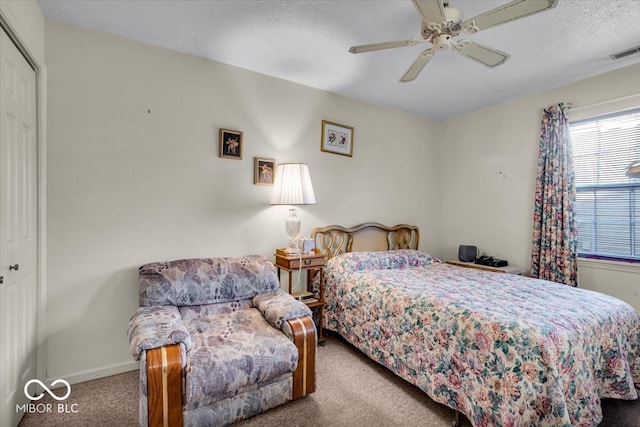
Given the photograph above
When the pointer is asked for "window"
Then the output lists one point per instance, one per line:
(607, 201)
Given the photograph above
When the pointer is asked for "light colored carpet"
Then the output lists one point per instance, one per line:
(351, 391)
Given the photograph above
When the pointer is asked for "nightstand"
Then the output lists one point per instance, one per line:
(312, 263)
(510, 269)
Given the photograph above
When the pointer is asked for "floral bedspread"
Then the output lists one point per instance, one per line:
(504, 350)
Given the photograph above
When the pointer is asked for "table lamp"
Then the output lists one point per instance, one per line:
(292, 186)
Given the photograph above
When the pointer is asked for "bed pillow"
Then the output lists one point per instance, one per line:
(381, 260)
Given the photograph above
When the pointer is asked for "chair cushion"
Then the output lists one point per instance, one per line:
(233, 352)
(196, 312)
(201, 281)
(155, 326)
(279, 306)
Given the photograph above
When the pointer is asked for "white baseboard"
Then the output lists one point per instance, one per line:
(99, 373)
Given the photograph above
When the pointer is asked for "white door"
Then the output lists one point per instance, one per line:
(18, 229)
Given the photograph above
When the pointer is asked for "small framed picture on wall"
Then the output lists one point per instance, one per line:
(336, 138)
(264, 170)
(230, 144)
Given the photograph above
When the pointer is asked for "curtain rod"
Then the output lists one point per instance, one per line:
(596, 104)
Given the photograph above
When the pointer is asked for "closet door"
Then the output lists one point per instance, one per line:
(18, 229)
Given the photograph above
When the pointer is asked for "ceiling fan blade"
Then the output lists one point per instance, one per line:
(430, 10)
(506, 13)
(417, 66)
(482, 54)
(380, 46)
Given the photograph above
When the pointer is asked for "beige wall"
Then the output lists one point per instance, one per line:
(488, 183)
(134, 177)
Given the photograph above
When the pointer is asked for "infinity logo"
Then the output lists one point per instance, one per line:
(47, 389)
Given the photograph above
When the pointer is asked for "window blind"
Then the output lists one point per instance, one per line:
(607, 201)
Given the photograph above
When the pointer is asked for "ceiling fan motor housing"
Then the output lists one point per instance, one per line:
(454, 20)
(452, 25)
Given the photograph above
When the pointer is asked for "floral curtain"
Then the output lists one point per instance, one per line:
(555, 232)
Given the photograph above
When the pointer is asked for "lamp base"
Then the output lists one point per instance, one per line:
(292, 224)
(292, 249)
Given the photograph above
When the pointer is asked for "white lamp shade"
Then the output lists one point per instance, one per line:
(292, 185)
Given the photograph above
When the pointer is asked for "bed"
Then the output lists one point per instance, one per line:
(503, 350)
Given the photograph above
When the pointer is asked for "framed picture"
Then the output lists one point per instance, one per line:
(336, 138)
(230, 144)
(263, 171)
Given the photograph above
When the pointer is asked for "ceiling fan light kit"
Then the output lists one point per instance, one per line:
(442, 42)
(441, 23)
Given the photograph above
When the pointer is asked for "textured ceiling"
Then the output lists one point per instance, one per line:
(307, 42)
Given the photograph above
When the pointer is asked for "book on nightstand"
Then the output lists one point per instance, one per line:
(304, 296)
(282, 252)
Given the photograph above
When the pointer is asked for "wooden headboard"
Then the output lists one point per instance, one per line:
(333, 240)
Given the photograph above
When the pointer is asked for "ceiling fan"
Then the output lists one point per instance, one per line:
(441, 23)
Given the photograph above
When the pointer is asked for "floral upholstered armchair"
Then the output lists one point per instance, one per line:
(218, 341)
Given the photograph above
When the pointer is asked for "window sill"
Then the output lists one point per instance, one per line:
(627, 267)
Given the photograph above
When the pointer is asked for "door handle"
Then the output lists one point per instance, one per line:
(14, 267)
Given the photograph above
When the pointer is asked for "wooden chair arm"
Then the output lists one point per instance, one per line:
(164, 386)
(304, 337)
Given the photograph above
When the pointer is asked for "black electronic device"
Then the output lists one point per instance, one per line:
(490, 261)
(467, 253)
